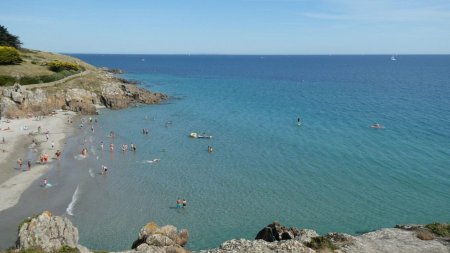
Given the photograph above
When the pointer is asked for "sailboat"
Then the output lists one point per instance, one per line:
(393, 58)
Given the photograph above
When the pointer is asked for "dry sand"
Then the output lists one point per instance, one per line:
(18, 134)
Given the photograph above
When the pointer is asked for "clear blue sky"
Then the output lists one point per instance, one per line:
(231, 26)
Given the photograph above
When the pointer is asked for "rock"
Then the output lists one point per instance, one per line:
(340, 239)
(394, 240)
(148, 229)
(266, 234)
(37, 98)
(159, 240)
(47, 232)
(409, 226)
(305, 235)
(242, 245)
(182, 238)
(17, 97)
(151, 235)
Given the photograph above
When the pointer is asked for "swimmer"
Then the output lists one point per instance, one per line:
(153, 161)
(104, 169)
(210, 149)
(45, 182)
(376, 125)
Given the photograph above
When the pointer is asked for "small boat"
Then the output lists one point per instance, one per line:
(199, 136)
(393, 58)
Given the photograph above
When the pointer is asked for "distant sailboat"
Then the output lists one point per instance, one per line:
(393, 58)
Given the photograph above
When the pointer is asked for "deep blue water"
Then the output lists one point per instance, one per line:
(333, 173)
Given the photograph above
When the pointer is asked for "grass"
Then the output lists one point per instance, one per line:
(439, 229)
(321, 243)
(34, 64)
(63, 249)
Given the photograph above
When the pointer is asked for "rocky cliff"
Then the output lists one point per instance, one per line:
(82, 93)
(56, 234)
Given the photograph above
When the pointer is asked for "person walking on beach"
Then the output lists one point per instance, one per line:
(184, 203)
(53, 144)
(29, 165)
(46, 136)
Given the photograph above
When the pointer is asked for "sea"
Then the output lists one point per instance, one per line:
(333, 172)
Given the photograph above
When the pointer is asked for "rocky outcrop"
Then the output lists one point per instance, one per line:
(243, 245)
(51, 233)
(394, 240)
(161, 239)
(276, 232)
(83, 97)
(48, 233)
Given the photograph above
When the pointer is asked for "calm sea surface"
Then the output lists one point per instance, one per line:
(333, 173)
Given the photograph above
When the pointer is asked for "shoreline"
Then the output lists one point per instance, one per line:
(15, 181)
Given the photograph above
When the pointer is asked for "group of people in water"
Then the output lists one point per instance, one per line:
(181, 203)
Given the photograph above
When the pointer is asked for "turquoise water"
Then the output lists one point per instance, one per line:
(333, 173)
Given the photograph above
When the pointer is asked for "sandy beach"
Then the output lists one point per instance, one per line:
(16, 138)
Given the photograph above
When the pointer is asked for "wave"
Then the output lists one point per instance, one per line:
(91, 173)
(71, 205)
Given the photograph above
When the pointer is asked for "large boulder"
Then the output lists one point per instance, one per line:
(167, 238)
(47, 232)
(276, 232)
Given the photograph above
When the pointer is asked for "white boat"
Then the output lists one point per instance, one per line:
(393, 58)
(199, 136)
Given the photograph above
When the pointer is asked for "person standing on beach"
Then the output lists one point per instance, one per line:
(58, 154)
(46, 136)
(29, 165)
(184, 203)
(53, 144)
(20, 162)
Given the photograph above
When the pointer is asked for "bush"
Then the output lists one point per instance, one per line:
(439, 229)
(9, 56)
(7, 80)
(58, 66)
(46, 78)
(321, 242)
(68, 249)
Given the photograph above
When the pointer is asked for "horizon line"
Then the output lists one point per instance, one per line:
(225, 54)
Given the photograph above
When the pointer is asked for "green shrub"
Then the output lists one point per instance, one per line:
(9, 56)
(58, 66)
(67, 249)
(46, 78)
(321, 242)
(7, 80)
(439, 229)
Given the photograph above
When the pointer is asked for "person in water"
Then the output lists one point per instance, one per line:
(376, 125)
(210, 149)
(184, 203)
(45, 182)
(178, 203)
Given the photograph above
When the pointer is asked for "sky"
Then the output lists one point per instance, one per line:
(231, 26)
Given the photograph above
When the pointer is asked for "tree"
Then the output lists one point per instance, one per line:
(7, 39)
